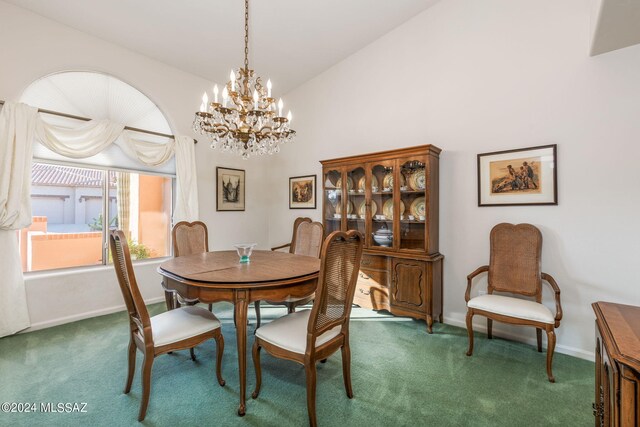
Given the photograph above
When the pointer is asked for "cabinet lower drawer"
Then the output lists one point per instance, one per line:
(375, 262)
(372, 297)
(371, 290)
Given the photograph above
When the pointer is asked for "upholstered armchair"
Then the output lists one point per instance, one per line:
(514, 268)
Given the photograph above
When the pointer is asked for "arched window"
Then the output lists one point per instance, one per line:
(72, 197)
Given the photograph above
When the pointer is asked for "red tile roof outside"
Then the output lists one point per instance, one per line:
(67, 176)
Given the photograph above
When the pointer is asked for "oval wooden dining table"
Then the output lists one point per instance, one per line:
(219, 276)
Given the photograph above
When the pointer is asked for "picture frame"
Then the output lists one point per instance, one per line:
(519, 177)
(302, 192)
(230, 189)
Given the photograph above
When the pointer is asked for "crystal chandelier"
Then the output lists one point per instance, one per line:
(245, 122)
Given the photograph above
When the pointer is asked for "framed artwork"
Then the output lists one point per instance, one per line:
(302, 192)
(230, 189)
(526, 176)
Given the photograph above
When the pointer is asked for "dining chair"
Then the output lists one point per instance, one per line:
(309, 336)
(189, 238)
(178, 329)
(514, 268)
(306, 240)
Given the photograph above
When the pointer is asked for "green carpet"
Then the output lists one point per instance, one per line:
(401, 377)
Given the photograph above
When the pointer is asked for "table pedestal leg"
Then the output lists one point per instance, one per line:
(240, 311)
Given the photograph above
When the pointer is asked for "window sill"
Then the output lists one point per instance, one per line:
(34, 275)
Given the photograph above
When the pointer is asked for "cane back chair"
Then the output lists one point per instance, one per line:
(178, 329)
(514, 267)
(309, 336)
(306, 240)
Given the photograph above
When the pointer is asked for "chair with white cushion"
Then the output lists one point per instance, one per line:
(309, 336)
(188, 238)
(306, 240)
(514, 268)
(178, 329)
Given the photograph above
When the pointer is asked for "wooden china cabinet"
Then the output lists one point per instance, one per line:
(617, 398)
(392, 198)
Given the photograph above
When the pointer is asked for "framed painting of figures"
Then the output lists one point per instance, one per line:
(302, 192)
(525, 176)
(230, 189)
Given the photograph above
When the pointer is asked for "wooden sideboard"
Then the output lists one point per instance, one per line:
(617, 365)
(392, 198)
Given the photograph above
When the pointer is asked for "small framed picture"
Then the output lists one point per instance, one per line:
(230, 189)
(525, 176)
(302, 192)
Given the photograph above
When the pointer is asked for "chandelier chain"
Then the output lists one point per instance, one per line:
(246, 34)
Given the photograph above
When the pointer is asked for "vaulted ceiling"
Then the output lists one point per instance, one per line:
(291, 40)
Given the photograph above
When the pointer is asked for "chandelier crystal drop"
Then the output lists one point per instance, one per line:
(248, 121)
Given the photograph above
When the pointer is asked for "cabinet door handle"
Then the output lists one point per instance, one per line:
(364, 276)
(365, 262)
(362, 291)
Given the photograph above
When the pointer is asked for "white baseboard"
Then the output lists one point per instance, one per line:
(81, 316)
(564, 349)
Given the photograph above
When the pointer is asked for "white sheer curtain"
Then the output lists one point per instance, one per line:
(186, 208)
(17, 126)
(86, 140)
(92, 137)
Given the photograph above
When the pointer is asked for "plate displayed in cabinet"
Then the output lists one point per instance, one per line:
(362, 209)
(361, 183)
(387, 181)
(350, 208)
(349, 183)
(387, 208)
(418, 207)
(418, 180)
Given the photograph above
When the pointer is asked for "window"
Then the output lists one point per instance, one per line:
(75, 202)
(70, 205)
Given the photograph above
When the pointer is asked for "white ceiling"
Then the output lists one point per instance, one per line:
(617, 25)
(291, 40)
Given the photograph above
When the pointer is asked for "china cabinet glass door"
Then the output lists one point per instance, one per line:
(333, 205)
(356, 206)
(412, 235)
(381, 205)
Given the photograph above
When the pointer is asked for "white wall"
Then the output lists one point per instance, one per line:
(32, 47)
(476, 76)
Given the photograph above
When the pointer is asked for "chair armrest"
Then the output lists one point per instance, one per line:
(467, 294)
(556, 289)
(281, 247)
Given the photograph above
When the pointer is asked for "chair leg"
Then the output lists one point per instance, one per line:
(291, 308)
(193, 354)
(219, 353)
(132, 365)
(551, 344)
(256, 305)
(490, 328)
(470, 331)
(146, 384)
(346, 369)
(256, 363)
(211, 308)
(539, 337)
(310, 371)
